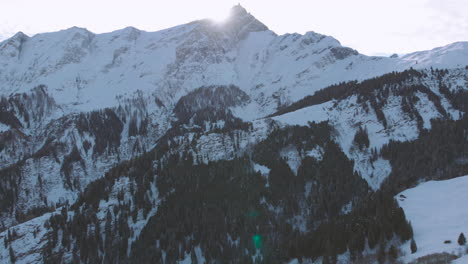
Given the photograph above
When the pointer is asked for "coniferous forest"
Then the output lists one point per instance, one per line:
(200, 180)
(234, 213)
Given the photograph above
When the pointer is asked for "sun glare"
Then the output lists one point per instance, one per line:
(220, 15)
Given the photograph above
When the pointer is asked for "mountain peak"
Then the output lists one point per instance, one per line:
(238, 10)
(242, 22)
(20, 35)
(12, 47)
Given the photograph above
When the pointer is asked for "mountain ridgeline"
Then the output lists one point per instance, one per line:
(219, 143)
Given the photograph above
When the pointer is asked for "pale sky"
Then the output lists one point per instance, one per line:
(370, 26)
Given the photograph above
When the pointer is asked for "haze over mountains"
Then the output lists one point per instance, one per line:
(95, 128)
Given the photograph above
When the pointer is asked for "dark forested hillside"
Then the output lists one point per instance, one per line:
(268, 193)
(228, 211)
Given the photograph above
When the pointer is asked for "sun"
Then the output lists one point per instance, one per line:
(220, 15)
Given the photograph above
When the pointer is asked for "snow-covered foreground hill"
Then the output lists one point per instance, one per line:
(438, 212)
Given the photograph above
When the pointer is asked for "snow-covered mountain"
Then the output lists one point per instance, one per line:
(90, 122)
(85, 71)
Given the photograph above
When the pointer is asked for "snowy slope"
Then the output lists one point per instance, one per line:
(437, 211)
(28, 242)
(347, 115)
(452, 55)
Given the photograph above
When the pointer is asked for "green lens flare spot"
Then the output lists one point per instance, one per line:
(257, 239)
(253, 214)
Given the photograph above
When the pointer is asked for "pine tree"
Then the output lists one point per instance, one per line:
(407, 228)
(392, 253)
(381, 253)
(461, 239)
(414, 248)
(12, 255)
(361, 138)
